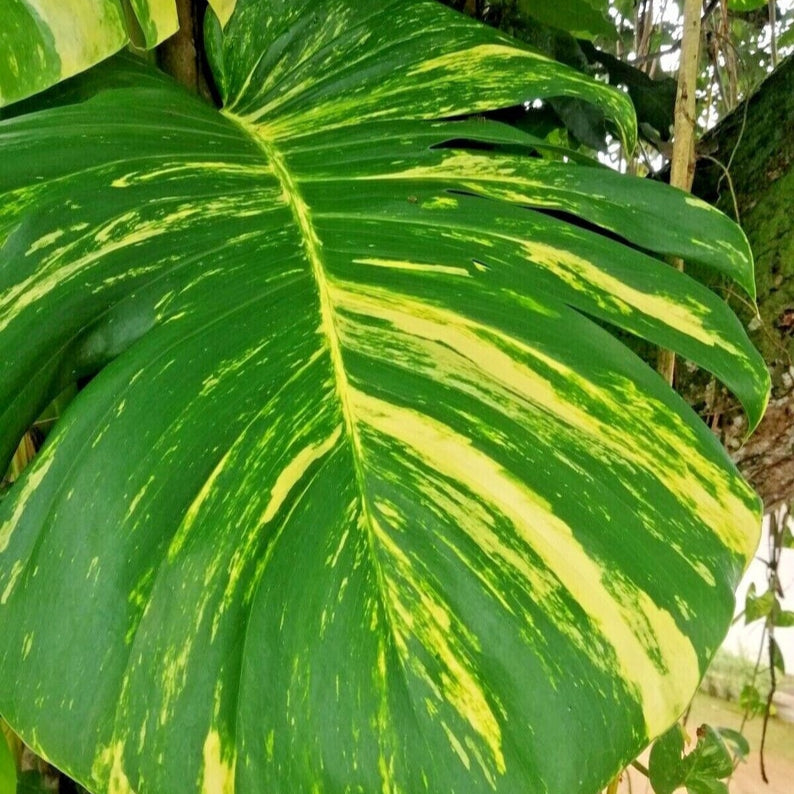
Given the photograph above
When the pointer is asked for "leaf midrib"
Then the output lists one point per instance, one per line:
(312, 246)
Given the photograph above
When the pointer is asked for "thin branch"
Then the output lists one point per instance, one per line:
(640, 767)
(676, 45)
(727, 174)
(777, 523)
(769, 697)
(652, 56)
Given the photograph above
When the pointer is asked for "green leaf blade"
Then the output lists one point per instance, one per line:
(585, 270)
(581, 17)
(665, 767)
(480, 71)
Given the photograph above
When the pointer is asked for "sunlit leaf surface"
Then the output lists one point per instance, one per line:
(45, 41)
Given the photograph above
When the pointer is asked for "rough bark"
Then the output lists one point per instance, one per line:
(755, 144)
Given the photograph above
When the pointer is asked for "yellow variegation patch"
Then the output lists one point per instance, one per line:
(218, 775)
(223, 10)
(157, 18)
(82, 32)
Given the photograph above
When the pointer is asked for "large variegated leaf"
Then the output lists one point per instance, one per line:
(361, 496)
(45, 41)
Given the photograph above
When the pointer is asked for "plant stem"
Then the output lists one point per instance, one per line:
(640, 767)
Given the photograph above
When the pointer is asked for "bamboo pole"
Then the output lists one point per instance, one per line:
(682, 165)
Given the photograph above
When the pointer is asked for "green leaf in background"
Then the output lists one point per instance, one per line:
(751, 701)
(360, 494)
(8, 767)
(582, 120)
(787, 542)
(706, 785)
(784, 619)
(737, 741)
(45, 41)
(786, 38)
(653, 99)
(700, 771)
(32, 782)
(584, 18)
(746, 5)
(665, 770)
(758, 606)
(712, 760)
(777, 657)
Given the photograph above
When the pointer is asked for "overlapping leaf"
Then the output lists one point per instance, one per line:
(46, 41)
(359, 497)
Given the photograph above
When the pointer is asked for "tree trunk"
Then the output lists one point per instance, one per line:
(182, 56)
(755, 144)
